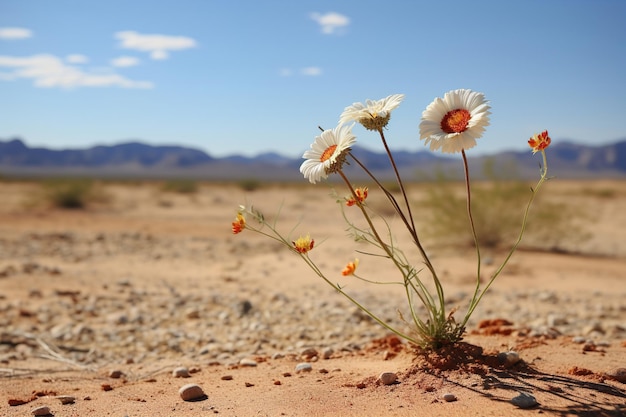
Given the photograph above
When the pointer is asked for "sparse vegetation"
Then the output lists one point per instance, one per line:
(249, 184)
(181, 186)
(72, 193)
(497, 207)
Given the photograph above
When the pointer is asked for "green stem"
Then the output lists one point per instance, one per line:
(476, 300)
(471, 221)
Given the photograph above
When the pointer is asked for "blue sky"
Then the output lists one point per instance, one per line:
(244, 77)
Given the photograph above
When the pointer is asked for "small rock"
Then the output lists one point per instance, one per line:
(617, 374)
(388, 378)
(309, 353)
(66, 399)
(227, 378)
(181, 372)
(303, 367)
(556, 320)
(448, 397)
(192, 313)
(247, 362)
(579, 340)
(244, 307)
(116, 373)
(508, 358)
(41, 411)
(524, 400)
(327, 353)
(191, 392)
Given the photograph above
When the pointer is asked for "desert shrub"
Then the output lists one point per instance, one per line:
(249, 184)
(497, 207)
(72, 193)
(181, 186)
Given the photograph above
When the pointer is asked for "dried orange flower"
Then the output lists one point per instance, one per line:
(361, 195)
(539, 141)
(303, 244)
(350, 268)
(239, 224)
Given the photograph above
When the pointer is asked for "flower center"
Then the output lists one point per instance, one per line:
(455, 121)
(328, 153)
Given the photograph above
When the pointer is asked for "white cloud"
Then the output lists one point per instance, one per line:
(77, 59)
(48, 71)
(311, 71)
(15, 33)
(158, 46)
(330, 22)
(125, 61)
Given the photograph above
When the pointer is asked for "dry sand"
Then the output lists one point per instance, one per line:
(152, 281)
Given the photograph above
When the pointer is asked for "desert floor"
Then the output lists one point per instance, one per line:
(102, 304)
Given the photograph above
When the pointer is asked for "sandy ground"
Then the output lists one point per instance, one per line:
(103, 304)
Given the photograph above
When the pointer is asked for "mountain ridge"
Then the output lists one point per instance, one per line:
(137, 158)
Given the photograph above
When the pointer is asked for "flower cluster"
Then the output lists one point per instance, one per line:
(360, 194)
(450, 124)
(539, 141)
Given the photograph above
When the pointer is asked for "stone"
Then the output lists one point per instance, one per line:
(449, 397)
(181, 372)
(116, 373)
(66, 399)
(617, 374)
(247, 362)
(191, 392)
(303, 367)
(42, 410)
(388, 378)
(524, 400)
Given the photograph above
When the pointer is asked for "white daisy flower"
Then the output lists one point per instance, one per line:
(327, 153)
(453, 123)
(373, 115)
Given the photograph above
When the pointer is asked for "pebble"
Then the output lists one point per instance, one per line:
(579, 339)
(191, 392)
(308, 353)
(388, 378)
(303, 367)
(618, 374)
(524, 400)
(449, 397)
(327, 353)
(116, 373)
(41, 411)
(66, 399)
(181, 372)
(508, 358)
(247, 362)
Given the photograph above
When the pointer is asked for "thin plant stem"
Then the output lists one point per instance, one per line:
(471, 221)
(476, 299)
(398, 178)
(414, 235)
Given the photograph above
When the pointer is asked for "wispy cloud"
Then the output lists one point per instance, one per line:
(159, 46)
(311, 71)
(306, 71)
(125, 61)
(15, 33)
(77, 59)
(49, 71)
(330, 22)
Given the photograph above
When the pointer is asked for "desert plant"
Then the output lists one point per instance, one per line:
(249, 184)
(450, 124)
(74, 193)
(180, 186)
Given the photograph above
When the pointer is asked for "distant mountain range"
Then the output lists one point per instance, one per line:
(140, 160)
